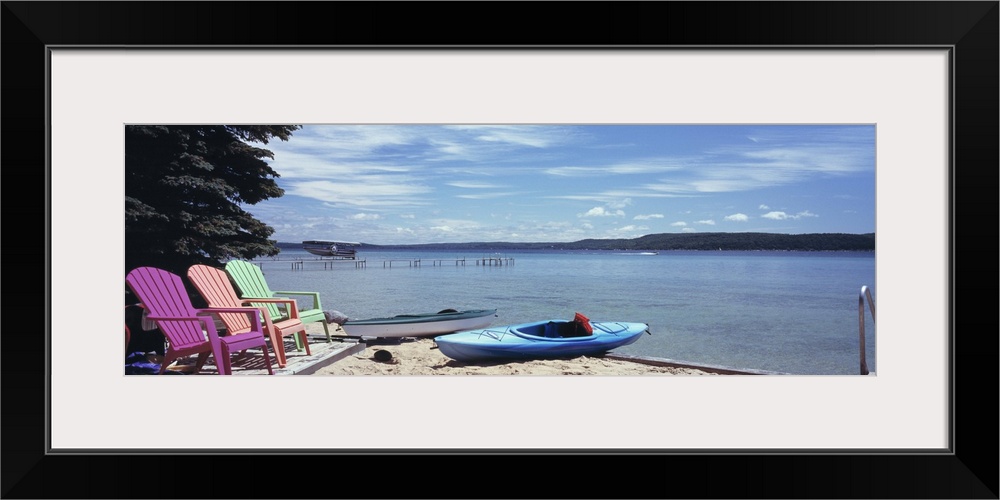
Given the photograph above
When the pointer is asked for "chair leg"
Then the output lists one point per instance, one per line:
(267, 360)
(221, 353)
(326, 328)
(305, 340)
(167, 359)
(278, 344)
(227, 359)
(202, 358)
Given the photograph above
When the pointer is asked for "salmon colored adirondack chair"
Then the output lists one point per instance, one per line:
(251, 283)
(188, 330)
(214, 286)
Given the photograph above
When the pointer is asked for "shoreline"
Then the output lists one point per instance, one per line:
(420, 356)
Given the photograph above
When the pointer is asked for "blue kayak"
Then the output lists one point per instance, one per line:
(540, 340)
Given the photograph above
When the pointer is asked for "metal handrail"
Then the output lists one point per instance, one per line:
(865, 295)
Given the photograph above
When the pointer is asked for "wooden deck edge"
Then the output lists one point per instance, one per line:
(722, 370)
(328, 360)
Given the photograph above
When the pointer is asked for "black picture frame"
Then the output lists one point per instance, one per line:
(969, 28)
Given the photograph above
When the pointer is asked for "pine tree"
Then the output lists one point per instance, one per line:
(184, 186)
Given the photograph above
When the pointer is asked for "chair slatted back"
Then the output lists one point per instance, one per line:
(162, 293)
(214, 286)
(250, 281)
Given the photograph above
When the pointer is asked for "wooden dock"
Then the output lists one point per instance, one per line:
(484, 261)
(495, 261)
(299, 264)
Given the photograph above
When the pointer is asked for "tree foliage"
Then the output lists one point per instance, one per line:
(184, 186)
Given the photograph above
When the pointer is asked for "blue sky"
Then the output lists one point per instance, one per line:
(407, 184)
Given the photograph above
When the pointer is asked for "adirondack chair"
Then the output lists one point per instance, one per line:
(189, 330)
(214, 286)
(251, 283)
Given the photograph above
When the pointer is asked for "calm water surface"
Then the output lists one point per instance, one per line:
(792, 312)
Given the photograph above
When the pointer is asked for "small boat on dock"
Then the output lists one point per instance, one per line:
(420, 325)
(548, 339)
(327, 248)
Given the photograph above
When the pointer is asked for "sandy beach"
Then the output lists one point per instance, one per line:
(421, 357)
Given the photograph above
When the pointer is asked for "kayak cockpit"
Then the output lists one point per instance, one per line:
(555, 330)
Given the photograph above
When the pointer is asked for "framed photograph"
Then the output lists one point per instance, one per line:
(923, 74)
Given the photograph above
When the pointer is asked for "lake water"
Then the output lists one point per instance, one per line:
(791, 312)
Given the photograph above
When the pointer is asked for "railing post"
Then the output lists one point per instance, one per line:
(862, 296)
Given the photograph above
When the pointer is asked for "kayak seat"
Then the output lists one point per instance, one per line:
(583, 328)
(565, 329)
(556, 330)
(552, 330)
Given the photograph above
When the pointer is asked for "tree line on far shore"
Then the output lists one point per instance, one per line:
(739, 241)
(820, 242)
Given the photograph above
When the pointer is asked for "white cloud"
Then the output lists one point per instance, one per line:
(784, 216)
(620, 203)
(483, 196)
(363, 191)
(417, 173)
(602, 212)
(687, 230)
(472, 185)
(455, 225)
(728, 185)
(679, 224)
(775, 215)
(535, 137)
(648, 166)
(573, 171)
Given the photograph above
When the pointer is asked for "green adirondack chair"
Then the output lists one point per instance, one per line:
(250, 281)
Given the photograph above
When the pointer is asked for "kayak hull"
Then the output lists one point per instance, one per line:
(537, 340)
(420, 325)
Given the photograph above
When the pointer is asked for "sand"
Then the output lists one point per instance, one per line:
(412, 356)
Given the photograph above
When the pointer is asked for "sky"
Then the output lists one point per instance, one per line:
(411, 184)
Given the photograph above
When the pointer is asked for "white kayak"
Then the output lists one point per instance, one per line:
(420, 325)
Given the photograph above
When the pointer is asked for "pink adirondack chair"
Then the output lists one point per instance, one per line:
(189, 330)
(214, 286)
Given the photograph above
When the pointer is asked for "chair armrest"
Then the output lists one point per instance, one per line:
(253, 312)
(314, 295)
(293, 309)
(207, 324)
(179, 318)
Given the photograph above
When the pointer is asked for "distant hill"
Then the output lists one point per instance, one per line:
(819, 242)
